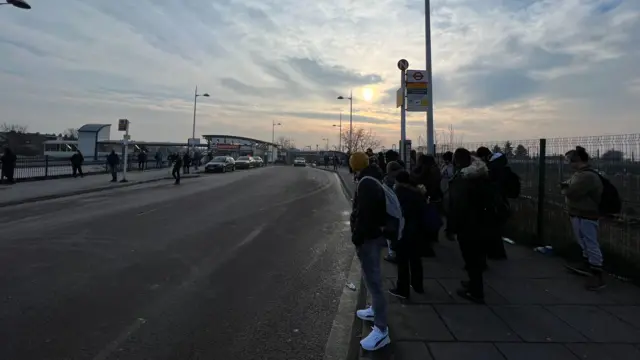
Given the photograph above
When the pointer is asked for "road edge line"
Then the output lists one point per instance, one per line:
(85, 191)
(343, 342)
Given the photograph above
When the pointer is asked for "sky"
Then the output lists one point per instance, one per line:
(502, 69)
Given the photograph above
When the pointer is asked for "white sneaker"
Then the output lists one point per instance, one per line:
(376, 339)
(365, 314)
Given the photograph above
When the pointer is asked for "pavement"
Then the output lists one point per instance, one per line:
(535, 310)
(243, 265)
(23, 192)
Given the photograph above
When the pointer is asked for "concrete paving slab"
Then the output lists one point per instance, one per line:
(519, 292)
(596, 324)
(535, 352)
(417, 322)
(411, 350)
(605, 351)
(572, 291)
(490, 295)
(475, 323)
(628, 314)
(434, 293)
(458, 351)
(536, 324)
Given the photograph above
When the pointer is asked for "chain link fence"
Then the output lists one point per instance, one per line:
(540, 216)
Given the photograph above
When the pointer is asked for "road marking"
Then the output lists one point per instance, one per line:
(145, 212)
(124, 335)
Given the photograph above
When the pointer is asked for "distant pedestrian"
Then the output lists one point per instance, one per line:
(113, 160)
(368, 219)
(8, 160)
(142, 160)
(158, 158)
(335, 162)
(414, 208)
(186, 163)
(76, 164)
(428, 175)
(176, 169)
(583, 194)
(197, 157)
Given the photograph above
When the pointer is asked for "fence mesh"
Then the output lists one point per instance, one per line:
(616, 157)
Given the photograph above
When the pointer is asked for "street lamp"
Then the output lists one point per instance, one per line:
(195, 101)
(350, 98)
(273, 131)
(340, 133)
(327, 140)
(21, 4)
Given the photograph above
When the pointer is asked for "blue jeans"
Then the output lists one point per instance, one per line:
(369, 255)
(586, 233)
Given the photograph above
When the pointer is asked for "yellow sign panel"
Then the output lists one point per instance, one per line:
(416, 85)
(399, 97)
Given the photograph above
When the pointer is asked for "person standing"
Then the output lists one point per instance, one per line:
(368, 218)
(583, 194)
(76, 164)
(8, 160)
(414, 209)
(158, 159)
(470, 196)
(186, 163)
(446, 172)
(113, 160)
(393, 169)
(176, 168)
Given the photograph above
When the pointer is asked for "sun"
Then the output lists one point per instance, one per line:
(367, 94)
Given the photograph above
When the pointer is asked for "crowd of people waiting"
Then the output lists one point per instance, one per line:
(403, 208)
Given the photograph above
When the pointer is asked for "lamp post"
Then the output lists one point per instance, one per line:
(195, 101)
(273, 139)
(340, 133)
(327, 140)
(350, 98)
(427, 30)
(20, 4)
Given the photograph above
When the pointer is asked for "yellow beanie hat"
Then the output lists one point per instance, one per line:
(358, 161)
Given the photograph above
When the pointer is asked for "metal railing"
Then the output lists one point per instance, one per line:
(540, 215)
(47, 167)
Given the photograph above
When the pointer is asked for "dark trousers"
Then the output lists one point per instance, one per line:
(7, 172)
(114, 172)
(495, 245)
(409, 271)
(141, 165)
(76, 170)
(473, 249)
(186, 169)
(176, 174)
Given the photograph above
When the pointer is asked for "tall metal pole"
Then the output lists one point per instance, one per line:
(427, 24)
(350, 121)
(273, 132)
(193, 133)
(403, 122)
(340, 136)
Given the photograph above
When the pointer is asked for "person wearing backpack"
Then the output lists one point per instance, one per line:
(583, 194)
(507, 184)
(368, 222)
(470, 200)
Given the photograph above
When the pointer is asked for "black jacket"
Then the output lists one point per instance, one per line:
(431, 178)
(414, 210)
(369, 207)
(469, 198)
(113, 159)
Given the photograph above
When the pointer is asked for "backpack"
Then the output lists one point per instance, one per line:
(610, 202)
(511, 184)
(394, 223)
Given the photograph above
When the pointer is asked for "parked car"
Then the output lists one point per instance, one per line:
(220, 164)
(245, 162)
(259, 161)
(300, 161)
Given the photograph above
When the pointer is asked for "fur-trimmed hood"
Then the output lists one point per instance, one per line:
(477, 169)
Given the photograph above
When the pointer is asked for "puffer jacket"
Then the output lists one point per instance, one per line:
(582, 195)
(414, 207)
(468, 197)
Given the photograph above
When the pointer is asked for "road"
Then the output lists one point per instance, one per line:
(244, 265)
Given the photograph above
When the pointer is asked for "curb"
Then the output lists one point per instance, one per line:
(344, 338)
(88, 191)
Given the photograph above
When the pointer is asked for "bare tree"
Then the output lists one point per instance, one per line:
(361, 140)
(13, 128)
(286, 143)
(70, 134)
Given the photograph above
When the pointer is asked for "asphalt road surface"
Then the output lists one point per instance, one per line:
(244, 265)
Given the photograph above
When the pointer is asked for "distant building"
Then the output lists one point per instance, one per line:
(25, 144)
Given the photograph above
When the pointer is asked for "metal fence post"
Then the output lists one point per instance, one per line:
(46, 166)
(542, 167)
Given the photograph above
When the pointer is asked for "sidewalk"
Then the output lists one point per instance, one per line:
(535, 310)
(43, 190)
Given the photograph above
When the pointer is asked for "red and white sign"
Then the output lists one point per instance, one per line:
(226, 147)
(416, 76)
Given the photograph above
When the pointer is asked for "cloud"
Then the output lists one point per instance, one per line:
(501, 68)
